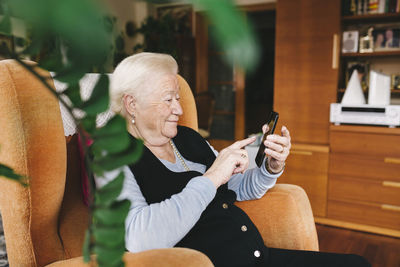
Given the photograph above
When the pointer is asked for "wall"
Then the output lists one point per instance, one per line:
(128, 10)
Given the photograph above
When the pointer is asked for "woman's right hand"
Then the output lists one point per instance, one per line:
(231, 160)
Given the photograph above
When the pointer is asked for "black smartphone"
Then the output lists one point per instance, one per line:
(272, 121)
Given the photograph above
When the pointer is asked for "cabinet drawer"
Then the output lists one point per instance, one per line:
(308, 168)
(365, 213)
(365, 143)
(372, 167)
(383, 192)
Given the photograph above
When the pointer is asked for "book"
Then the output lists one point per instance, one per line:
(392, 6)
(353, 7)
(373, 6)
(381, 6)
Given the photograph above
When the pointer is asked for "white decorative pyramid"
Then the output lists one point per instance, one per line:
(354, 93)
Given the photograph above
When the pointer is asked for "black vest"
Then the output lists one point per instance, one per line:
(224, 232)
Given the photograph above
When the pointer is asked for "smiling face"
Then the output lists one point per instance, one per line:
(157, 112)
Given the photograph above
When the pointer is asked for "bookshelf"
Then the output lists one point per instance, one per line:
(372, 54)
(335, 165)
(381, 59)
(372, 18)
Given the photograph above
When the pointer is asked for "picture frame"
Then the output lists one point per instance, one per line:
(350, 42)
(367, 42)
(9, 42)
(386, 39)
(395, 81)
(363, 68)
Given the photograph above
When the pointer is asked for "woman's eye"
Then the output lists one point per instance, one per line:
(168, 100)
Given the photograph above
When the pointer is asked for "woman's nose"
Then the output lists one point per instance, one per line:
(177, 109)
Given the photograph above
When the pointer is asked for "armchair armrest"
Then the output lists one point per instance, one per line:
(173, 257)
(284, 218)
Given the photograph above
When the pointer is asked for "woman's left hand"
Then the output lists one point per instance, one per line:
(277, 149)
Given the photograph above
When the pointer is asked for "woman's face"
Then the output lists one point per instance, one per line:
(157, 113)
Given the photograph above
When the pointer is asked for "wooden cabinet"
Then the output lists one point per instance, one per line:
(364, 177)
(306, 77)
(306, 71)
(350, 173)
(307, 166)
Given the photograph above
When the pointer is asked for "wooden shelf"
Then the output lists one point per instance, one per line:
(393, 91)
(380, 18)
(373, 54)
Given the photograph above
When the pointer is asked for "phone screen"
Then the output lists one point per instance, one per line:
(273, 119)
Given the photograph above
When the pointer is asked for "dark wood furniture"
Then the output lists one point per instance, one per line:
(350, 173)
(306, 71)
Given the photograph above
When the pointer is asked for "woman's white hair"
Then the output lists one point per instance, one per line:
(136, 75)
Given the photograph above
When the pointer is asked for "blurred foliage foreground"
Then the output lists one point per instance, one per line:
(82, 42)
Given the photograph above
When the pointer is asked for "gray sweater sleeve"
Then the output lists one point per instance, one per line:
(164, 224)
(253, 184)
(161, 225)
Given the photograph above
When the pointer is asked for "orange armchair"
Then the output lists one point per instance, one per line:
(44, 223)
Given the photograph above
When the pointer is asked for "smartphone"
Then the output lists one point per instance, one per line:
(272, 121)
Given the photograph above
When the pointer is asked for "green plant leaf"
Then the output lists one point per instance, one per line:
(112, 161)
(114, 215)
(109, 236)
(98, 101)
(108, 193)
(115, 125)
(89, 124)
(52, 62)
(109, 257)
(86, 246)
(9, 173)
(71, 75)
(232, 32)
(73, 93)
(112, 138)
(5, 25)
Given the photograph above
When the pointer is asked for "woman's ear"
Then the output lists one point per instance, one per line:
(129, 104)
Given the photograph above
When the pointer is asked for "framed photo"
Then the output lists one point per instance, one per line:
(8, 42)
(386, 39)
(362, 68)
(395, 85)
(350, 42)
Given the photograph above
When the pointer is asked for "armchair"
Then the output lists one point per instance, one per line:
(44, 223)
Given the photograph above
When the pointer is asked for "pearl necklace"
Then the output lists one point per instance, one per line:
(179, 156)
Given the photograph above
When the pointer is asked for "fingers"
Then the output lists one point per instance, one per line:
(265, 128)
(285, 132)
(283, 140)
(278, 147)
(280, 156)
(273, 146)
(241, 161)
(243, 143)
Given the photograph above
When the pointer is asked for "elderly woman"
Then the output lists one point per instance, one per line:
(182, 191)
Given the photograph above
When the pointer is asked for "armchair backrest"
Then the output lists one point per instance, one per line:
(33, 144)
(189, 117)
(44, 222)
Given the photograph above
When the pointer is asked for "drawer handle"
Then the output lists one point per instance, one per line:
(390, 207)
(391, 184)
(392, 160)
(299, 152)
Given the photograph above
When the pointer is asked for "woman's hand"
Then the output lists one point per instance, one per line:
(231, 160)
(277, 149)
